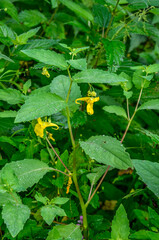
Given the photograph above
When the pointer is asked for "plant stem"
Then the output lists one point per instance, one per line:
(127, 104)
(57, 155)
(83, 207)
(130, 120)
(87, 203)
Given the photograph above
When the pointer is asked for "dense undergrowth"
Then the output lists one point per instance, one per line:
(79, 119)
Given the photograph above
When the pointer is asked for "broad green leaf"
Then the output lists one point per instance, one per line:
(67, 232)
(31, 18)
(97, 76)
(60, 86)
(139, 80)
(76, 8)
(142, 216)
(96, 173)
(79, 64)
(153, 217)
(49, 212)
(120, 225)
(23, 38)
(15, 216)
(54, 3)
(11, 96)
(115, 109)
(152, 68)
(101, 15)
(10, 8)
(8, 114)
(39, 197)
(136, 4)
(26, 86)
(59, 200)
(115, 51)
(152, 104)
(2, 56)
(149, 173)
(22, 174)
(39, 106)
(6, 35)
(48, 57)
(155, 11)
(9, 198)
(153, 136)
(107, 150)
(8, 140)
(145, 234)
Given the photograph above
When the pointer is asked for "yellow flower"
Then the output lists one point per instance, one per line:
(69, 184)
(45, 72)
(40, 127)
(89, 101)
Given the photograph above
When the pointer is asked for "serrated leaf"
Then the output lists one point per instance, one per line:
(8, 114)
(22, 174)
(6, 35)
(8, 198)
(68, 232)
(2, 56)
(15, 217)
(96, 174)
(139, 80)
(40, 105)
(11, 96)
(101, 15)
(11, 9)
(23, 38)
(76, 8)
(149, 173)
(40, 198)
(97, 76)
(79, 64)
(152, 68)
(31, 18)
(48, 57)
(115, 109)
(101, 148)
(115, 51)
(49, 212)
(152, 104)
(120, 225)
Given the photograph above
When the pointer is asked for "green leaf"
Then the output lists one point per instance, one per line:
(152, 104)
(15, 217)
(79, 64)
(54, 3)
(49, 212)
(8, 114)
(96, 174)
(2, 56)
(101, 15)
(39, 106)
(8, 140)
(67, 232)
(107, 150)
(115, 109)
(149, 172)
(40, 198)
(76, 8)
(48, 57)
(31, 18)
(59, 200)
(11, 96)
(120, 225)
(136, 4)
(23, 38)
(60, 86)
(6, 35)
(98, 76)
(115, 51)
(8, 198)
(139, 80)
(145, 234)
(22, 174)
(153, 217)
(152, 68)
(26, 86)
(10, 8)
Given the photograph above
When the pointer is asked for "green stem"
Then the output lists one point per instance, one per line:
(130, 120)
(83, 207)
